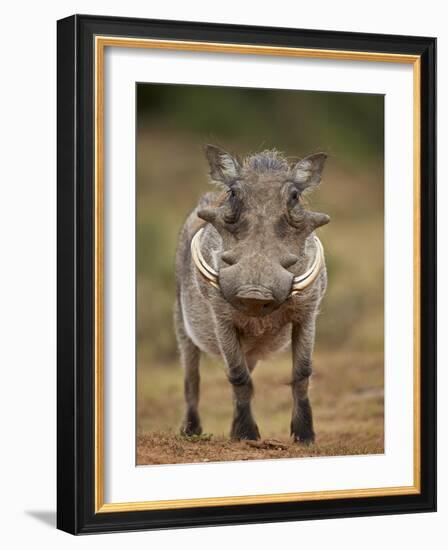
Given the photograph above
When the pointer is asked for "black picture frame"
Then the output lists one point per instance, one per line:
(76, 272)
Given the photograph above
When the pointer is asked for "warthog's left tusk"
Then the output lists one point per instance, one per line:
(300, 282)
(303, 281)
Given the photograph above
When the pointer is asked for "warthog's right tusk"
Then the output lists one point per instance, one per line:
(206, 271)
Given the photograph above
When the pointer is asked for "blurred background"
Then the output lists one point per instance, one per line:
(173, 123)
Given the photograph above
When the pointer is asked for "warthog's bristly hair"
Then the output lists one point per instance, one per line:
(269, 160)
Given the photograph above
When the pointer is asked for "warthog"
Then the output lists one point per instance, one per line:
(250, 277)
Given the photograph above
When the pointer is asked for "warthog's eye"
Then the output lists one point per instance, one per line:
(294, 208)
(294, 195)
(233, 207)
(293, 198)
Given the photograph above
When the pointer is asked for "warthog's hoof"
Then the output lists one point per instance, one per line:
(302, 423)
(244, 431)
(302, 433)
(304, 439)
(191, 425)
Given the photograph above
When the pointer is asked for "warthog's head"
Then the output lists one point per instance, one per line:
(262, 223)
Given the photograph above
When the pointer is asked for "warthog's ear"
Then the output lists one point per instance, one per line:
(308, 171)
(224, 169)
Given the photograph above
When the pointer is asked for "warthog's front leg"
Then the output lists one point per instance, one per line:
(238, 374)
(302, 349)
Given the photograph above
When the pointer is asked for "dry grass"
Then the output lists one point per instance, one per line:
(347, 397)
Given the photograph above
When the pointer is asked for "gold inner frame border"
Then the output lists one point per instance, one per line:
(101, 42)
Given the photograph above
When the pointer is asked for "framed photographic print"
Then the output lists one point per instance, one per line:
(246, 274)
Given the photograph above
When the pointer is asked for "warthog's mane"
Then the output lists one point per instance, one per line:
(270, 160)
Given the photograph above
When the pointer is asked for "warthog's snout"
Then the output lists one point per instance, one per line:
(255, 285)
(255, 301)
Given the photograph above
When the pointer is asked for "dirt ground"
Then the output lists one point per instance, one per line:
(346, 393)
